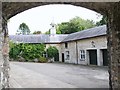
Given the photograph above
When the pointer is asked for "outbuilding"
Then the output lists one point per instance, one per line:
(88, 47)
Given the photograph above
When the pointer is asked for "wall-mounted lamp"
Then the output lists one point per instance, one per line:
(93, 44)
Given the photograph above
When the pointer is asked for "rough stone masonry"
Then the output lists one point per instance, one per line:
(4, 49)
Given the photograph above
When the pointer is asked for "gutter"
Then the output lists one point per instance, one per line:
(76, 51)
(82, 38)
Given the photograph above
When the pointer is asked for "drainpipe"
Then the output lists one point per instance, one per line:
(76, 51)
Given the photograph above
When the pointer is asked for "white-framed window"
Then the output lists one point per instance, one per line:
(82, 55)
(67, 55)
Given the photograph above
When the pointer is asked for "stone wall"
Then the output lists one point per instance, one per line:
(85, 44)
(71, 47)
(99, 44)
(113, 15)
(4, 49)
(1, 36)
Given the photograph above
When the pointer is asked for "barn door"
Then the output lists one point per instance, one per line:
(105, 59)
(62, 57)
(93, 57)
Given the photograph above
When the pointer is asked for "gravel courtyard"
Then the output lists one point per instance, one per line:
(57, 75)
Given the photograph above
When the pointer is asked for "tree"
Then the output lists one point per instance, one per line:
(74, 25)
(47, 32)
(37, 32)
(23, 29)
(63, 28)
(102, 21)
(52, 51)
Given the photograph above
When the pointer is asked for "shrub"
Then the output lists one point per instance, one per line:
(52, 51)
(42, 60)
(14, 51)
(27, 51)
(32, 51)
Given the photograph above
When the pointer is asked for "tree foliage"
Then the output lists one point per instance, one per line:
(14, 50)
(32, 51)
(47, 32)
(74, 25)
(23, 29)
(102, 21)
(52, 51)
(37, 32)
(26, 51)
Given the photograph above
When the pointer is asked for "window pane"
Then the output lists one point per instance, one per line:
(82, 54)
(67, 55)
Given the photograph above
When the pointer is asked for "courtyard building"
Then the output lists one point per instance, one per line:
(87, 47)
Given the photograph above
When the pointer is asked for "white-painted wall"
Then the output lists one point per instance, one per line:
(84, 44)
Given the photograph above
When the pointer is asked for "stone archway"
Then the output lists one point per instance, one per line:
(111, 9)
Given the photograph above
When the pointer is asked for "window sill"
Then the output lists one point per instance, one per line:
(82, 59)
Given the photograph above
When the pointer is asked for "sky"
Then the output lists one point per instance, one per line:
(40, 18)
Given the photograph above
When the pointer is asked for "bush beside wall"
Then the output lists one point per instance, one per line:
(26, 52)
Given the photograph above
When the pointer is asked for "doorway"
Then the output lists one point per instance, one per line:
(93, 57)
(105, 57)
(63, 57)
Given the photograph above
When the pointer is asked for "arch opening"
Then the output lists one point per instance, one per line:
(97, 77)
(113, 25)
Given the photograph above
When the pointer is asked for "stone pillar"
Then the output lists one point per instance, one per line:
(5, 54)
(114, 45)
(99, 59)
(1, 39)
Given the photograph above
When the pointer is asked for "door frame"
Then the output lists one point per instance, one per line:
(88, 56)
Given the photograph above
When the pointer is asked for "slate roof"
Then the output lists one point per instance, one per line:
(92, 32)
(59, 38)
(41, 38)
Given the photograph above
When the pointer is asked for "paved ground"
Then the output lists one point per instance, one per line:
(57, 75)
